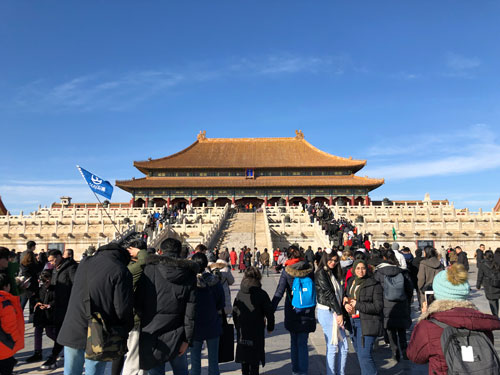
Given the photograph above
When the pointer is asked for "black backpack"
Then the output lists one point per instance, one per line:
(394, 288)
(483, 358)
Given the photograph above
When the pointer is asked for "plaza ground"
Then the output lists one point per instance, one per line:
(278, 344)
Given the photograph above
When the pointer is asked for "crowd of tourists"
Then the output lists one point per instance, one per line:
(142, 308)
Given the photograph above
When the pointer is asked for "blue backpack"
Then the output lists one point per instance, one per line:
(303, 293)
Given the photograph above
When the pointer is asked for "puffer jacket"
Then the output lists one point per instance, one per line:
(11, 325)
(396, 313)
(165, 303)
(485, 274)
(209, 301)
(296, 322)
(222, 270)
(427, 270)
(425, 342)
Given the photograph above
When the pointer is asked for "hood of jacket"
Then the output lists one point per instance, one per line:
(248, 284)
(114, 250)
(299, 269)
(461, 314)
(387, 269)
(175, 270)
(431, 262)
(220, 264)
(346, 263)
(206, 279)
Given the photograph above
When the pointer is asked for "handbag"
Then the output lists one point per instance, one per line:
(105, 343)
(226, 341)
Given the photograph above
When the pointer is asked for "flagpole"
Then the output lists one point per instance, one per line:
(102, 207)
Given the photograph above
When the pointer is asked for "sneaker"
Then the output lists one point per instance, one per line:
(49, 364)
(36, 357)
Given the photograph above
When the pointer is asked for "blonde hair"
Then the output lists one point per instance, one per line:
(346, 254)
(457, 274)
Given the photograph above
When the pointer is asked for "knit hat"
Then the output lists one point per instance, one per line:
(451, 284)
(395, 246)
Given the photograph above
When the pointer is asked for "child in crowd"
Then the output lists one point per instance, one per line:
(251, 309)
(12, 326)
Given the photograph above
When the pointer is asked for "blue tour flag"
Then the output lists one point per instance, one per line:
(97, 184)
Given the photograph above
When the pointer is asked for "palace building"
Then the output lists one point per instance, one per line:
(250, 170)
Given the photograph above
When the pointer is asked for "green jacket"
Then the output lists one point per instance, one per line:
(136, 269)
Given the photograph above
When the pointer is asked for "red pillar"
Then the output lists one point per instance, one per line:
(330, 201)
(190, 201)
(233, 200)
(352, 201)
(265, 201)
(367, 200)
(132, 202)
(147, 202)
(168, 202)
(286, 200)
(308, 199)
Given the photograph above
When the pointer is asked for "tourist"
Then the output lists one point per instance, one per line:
(489, 276)
(346, 262)
(223, 272)
(9, 269)
(401, 259)
(11, 326)
(29, 269)
(276, 254)
(479, 255)
(364, 302)
(329, 291)
(252, 311)
(428, 269)
(397, 298)
(309, 256)
(43, 318)
(264, 259)
(30, 248)
(462, 257)
(130, 364)
(63, 276)
(105, 279)
(166, 299)
(247, 259)
(207, 322)
(298, 323)
(242, 266)
(451, 290)
(234, 258)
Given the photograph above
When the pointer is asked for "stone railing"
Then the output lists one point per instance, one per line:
(267, 229)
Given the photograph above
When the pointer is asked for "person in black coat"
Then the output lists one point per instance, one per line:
(251, 309)
(329, 292)
(108, 281)
(365, 303)
(298, 323)
(462, 257)
(397, 317)
(489, 276)
(166, 301)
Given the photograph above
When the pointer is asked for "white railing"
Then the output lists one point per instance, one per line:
(267, 229)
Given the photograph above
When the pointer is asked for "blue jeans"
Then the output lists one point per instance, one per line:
(179, 366)
(74, 359)
(335, 363)
(213, 356)
(364, 352)
(299, 352)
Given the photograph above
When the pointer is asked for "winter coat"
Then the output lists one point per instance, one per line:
(425, 342)
(309, 256)
(226, 278)
(427, 270)
(264, 258)
(247, 259)
(136, 269)
(109, 284)
(396, 313)
(45, 317)
(242, 265)
(462, 259)
(31, 271)
(11, 325)
(485, 273)
(166, 297)
(325, 293)
(209, 301)
(62, 282)
(252, 308)
(370, 305)
(295, 322)
(234, 257)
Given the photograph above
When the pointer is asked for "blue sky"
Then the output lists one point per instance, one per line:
(410, 86)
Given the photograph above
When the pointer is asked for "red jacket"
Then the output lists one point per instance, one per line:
(234, 257)
(425, 342)
(12, 325)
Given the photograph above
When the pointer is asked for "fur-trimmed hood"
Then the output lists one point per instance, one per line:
(175, 270)
(300, 269)
(206, 279)
(154, 259)
(461, 314)
(220, 264)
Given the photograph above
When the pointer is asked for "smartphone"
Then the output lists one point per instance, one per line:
(429, 297)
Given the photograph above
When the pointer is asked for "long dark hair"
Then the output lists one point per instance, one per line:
(323, 264)
(390, 257)
(430, 252)
(489, 256)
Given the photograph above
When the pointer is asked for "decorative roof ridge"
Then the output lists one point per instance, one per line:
(170, 156)
(330, 155)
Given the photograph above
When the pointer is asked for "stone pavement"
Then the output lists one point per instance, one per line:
(278, 345)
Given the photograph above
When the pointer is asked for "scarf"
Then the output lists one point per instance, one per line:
(358, 282)
(336, 330)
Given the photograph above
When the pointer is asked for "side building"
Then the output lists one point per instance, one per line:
(249, 170)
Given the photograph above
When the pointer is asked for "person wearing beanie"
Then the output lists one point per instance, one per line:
(400, 257)
(451, 290)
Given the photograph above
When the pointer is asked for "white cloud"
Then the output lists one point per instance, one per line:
(461, 66)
